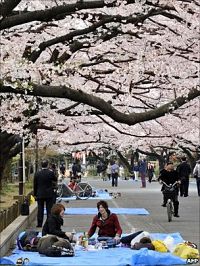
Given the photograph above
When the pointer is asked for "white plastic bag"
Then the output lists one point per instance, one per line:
(169, 243)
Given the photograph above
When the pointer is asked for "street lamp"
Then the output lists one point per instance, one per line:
(22, 168)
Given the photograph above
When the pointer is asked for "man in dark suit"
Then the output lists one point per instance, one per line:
(184, 172)
(43, 186)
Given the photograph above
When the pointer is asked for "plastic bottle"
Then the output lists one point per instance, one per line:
(73, 232)
(85, 240)
(74, 240)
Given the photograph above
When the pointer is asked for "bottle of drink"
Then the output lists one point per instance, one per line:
(85, 240)
(74, 240)
(73, 232)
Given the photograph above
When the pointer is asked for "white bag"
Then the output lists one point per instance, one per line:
(169, 243)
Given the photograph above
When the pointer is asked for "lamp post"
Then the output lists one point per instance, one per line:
(21, 168)
(36, 152)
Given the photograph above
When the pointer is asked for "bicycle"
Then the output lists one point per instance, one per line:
(170, 193)
(81, 191)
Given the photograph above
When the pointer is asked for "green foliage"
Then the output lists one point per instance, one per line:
(8, 188)
(7, 175)
(91, 172)
(14, 187)
(29, 184)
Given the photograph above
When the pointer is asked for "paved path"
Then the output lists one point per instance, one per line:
(150, 198)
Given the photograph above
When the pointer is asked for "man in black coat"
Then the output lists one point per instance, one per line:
(184, 171)
(170, 176)
(44, 185)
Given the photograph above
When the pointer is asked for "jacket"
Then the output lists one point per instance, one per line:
(196, 171)
(184, 170)
(169, 177)
(53, 225)
(44, 184)
(109, 227)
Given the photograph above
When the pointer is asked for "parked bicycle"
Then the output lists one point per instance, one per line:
(170, 194)
(81, 190)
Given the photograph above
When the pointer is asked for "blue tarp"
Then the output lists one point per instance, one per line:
(145, 257)
(100, 195)
(119, 256)
(93, 211)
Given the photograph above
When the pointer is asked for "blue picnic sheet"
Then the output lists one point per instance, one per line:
(93, 211)
(119, 256)
(100, 195)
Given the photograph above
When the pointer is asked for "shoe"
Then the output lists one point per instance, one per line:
(163, 205)
(39, 226)
(185, 196)
(176, 215)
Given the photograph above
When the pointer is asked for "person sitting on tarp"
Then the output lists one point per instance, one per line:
(72, 184)
(54, 222)
(106, 221)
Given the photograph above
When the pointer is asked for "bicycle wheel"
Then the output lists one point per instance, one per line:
(83, 191)
(169, 210)
(59, 191)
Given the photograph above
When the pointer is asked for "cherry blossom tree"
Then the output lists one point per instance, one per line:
(93, 73)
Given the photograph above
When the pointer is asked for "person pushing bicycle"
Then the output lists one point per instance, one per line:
(170, 176)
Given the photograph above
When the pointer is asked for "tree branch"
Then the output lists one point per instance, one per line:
(102, 105)
(107, 19)
(7, 6)
(50, 13)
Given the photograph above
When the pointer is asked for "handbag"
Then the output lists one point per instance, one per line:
(24, 209)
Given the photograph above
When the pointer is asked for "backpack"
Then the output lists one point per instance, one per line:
(27, 240)
(24, 209)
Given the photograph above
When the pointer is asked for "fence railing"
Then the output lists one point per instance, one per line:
(8, 215)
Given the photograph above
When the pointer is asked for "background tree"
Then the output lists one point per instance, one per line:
(128, 68)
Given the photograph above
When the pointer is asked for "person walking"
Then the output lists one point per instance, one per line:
(196, 174)
(74, 169)
(170, 176)
(43, 189)
(108, 171)
(150, 170)
(99, 168)
(136, 171)
(62, 169)
(115, 174)
(142, 172)
(122, 172)
(184, 171)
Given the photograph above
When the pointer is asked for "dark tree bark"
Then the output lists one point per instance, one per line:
(7, 6)
(9, 147)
